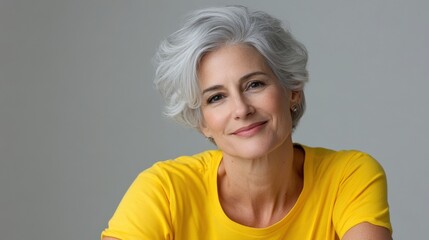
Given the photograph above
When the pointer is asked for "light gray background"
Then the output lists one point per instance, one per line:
(79, 118)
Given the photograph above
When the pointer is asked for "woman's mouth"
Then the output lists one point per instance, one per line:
(249, 130)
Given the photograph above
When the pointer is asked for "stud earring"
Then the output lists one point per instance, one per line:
(294, 108)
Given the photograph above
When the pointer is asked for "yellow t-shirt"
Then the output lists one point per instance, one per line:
(178, 199)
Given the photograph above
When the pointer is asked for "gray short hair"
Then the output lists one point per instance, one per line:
(208, 29)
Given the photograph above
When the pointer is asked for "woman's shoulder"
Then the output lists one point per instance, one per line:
(335, 160)
(184, 167)
(199, 161)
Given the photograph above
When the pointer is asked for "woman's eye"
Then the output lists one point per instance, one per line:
(214, 98)
(255, 84)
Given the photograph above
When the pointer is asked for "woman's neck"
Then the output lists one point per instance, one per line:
(259, 192)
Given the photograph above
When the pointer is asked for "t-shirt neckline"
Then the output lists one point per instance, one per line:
(252, 231)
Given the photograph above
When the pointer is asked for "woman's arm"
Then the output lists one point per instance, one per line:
(361, 209)
(367, 231)
(144, 211)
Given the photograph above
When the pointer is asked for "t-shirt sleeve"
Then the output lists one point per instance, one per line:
(144, 211)
(362, 195)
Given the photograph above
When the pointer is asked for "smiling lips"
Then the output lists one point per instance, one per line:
(250, 129)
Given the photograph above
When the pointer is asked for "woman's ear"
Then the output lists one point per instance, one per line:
(295, 98)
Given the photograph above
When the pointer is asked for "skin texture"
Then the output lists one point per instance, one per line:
(247, 113)
(367, 231)
(239, 90)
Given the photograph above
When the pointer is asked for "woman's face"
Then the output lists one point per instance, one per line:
(244, 107)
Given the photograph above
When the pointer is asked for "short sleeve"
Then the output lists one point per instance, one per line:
(362, 195)
(143, 212)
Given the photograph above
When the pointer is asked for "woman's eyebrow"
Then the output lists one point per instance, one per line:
(249, 75)
(243, 78)
(212, 88)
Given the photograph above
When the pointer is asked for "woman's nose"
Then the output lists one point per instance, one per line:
(242, 107)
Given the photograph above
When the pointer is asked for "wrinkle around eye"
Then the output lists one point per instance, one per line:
(215, 98)
(255, 85)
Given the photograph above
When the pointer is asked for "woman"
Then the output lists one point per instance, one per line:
(237, 77)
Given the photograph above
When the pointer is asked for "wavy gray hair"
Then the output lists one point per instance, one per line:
(206, 30)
